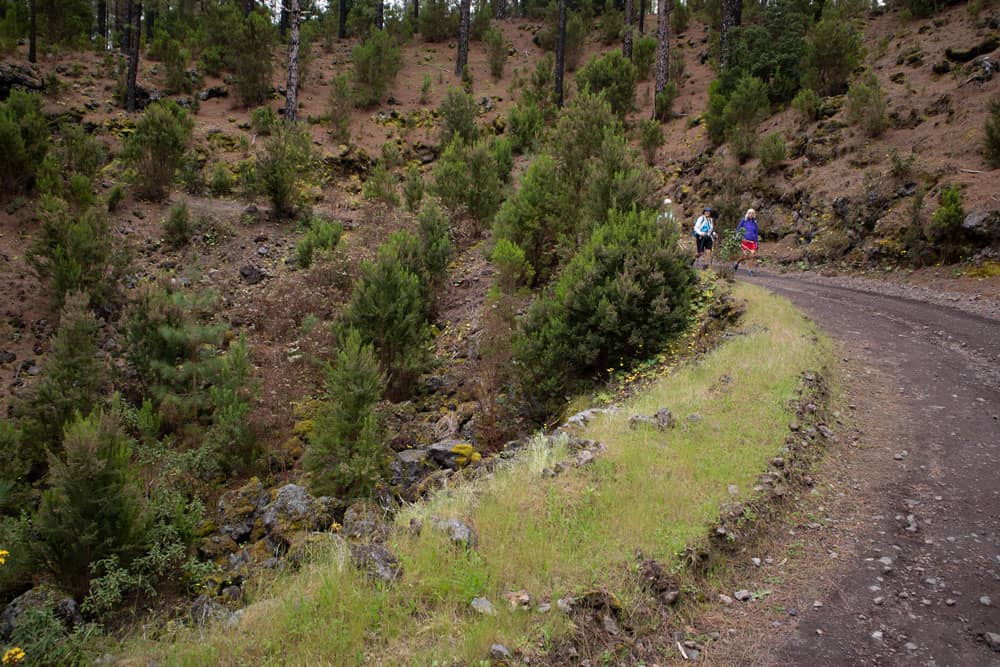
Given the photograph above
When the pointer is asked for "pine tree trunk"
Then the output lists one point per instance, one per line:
(642, 17)
(732, 11)
(150, 20)
(247, 7)
(342, 20)
(380, 14)
(118, 26)
(560, 53)
(500, 9)
(662, 47)
(102, 23)
(292, 92)
(126, 29)
(627, 31)
(134, 33)
(416, 15)
(32, 35)
(283, 21)
(463, 37)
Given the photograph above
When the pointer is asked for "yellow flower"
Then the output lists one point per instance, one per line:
(13, 656)
(3, 556)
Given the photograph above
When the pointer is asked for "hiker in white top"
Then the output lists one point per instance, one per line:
(704, 233)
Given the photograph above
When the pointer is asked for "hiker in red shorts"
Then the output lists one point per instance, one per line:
(751, 237)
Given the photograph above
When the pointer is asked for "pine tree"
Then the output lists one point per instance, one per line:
(662, 48)
(346, 455)
(627, 32)
(292, 89)
(93, 508)
(72, 381)
(732, 12)
(462, 61)
(134, 35)
(560, 54)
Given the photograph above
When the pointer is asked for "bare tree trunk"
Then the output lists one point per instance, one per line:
(126, 29)
(292, 92)
(560, 53)
(32, 35)
(283, 21)
(416, 14)
(732, 11)
(134, 33)
(627, 31)
(118, 26)
(150, 20)
(380, 14)
(102, 23)
(342, 20)
(247, 7)
(662, 48)
(500, 9)
(463, 37)
(642, 17)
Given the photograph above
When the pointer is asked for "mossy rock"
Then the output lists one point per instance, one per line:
(222, 141)
(454, 454)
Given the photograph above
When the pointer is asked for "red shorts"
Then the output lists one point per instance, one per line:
(749, 246)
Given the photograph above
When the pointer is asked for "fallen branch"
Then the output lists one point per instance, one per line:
(970, 171)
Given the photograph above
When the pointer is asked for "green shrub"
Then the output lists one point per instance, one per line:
(380, 186)
(252, 63)
(650, 138)
(73, 382)
(991, 129)
(175, 60)
(264, 120)
(286, 156)
(339, 108)
(361, 18)
(944, 231)
(901, 167)
(533, 218)
(524, 126)
(15, 535)
(212, 60)
(610, 27)
(49, 176)
(75, 251)
(771, 48)
(81, 192)
(82, 153)
(347, 451)
(458, 117)
(469, 177)
(221, 180)
(541, 86)
(619, 300)
(231, 439)
(643, 55)
(578, 136)
(676, 66)
(496, 51)
(24, 140)
(502, 151)
(772, 151)
(513, 268)
(156, 148)
(866, 106)
(115, 197)
(389, 310)
(480, 22)
(664, 104)
(425, 89)
(93, 507)
(435, 243)
(747, 106)
(438, 20)
(613, 77)
(617, 180)
(177, 227)
(808, 104)
(413, 188)
(322, 235)
(42, 635)
(376, 63)
(833, 50)
(679, 17)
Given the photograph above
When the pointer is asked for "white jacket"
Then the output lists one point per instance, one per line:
(703, 226)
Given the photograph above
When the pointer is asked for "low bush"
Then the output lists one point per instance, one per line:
(496, 51)
(944, 230)
(610, 27)
(250, 51)
(376, 63)
(746, 107)
(541, 85)
(458, 117)
(577, 137)
(24, 140)
(866, 106)
(264, 120)
(82, 153)
(679, 17)
(285, 157)
(524, 126)
(613, 77)
(435, 243)
(808, 104)
(663, 106)
(339, 108)
(773, 151)
(221, 181)
(322, 236)
(650, 138)
(619, 300)
(156, 149)
(991, 130)
(643, 55)
(833, 50)
(380, 186)
(413, 188)
(177, 227)
(513, 269)
(116, 196)
(469, 177)
(617, 180)
(231, 441)
(438, 20)
(347, 451)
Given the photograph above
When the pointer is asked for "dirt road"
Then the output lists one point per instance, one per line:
(923, 585)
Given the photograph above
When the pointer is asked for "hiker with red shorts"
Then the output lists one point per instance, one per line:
(751, 237)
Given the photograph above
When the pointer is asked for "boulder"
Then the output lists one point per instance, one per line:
(661, 421)
(63, 606)
(410, 466)
(364, 521)
(237, 510)
(459, 532)
(204, 610)
(251, 274)
(294, 510)
(988, 45)
(13, 75)
(983, 224)
(376, 561)
(453, 454)
(213, 93)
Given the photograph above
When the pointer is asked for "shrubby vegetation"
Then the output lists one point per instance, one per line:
(458, 117)
(156, 148)
(991, 144)
(321, 236)
(285, 158)
(866, 106)
(249, 46)
(24, 140)
(471, 177)
(376, 63)
(613, 77)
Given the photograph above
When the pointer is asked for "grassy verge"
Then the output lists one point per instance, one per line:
(650, 491)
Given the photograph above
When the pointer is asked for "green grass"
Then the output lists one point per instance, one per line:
(652, 491)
